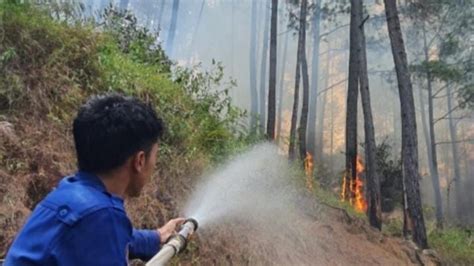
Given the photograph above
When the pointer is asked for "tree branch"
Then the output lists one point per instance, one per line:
(457, 141)
(363, 21)
(455, 118)
(445, 95)
(448, 113)
(441, 89)
(344, 80)
(334, 50)
(332, 86)
(334, 30)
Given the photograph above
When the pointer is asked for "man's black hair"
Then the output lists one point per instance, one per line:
(110, 128)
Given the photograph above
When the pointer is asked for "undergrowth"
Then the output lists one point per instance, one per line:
(455, 245)
(49, 67)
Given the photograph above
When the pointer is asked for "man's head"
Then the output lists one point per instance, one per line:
(115, 132)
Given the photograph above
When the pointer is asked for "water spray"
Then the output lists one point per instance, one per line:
(175, 244)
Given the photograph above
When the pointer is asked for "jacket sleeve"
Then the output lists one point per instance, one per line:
(144, 244)
(100, 238)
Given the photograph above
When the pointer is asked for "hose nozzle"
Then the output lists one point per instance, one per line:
(175, 244)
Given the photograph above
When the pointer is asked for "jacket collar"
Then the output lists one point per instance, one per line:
(90, 179)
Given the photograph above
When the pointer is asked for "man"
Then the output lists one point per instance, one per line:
(83, 221)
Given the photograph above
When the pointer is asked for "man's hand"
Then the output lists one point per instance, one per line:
(169, 229)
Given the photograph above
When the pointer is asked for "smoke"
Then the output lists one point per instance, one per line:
(257, 195)
(256, 185)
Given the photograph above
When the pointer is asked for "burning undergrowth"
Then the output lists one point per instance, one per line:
(356, 195)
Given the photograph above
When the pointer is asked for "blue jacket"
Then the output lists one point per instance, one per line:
(80, 223)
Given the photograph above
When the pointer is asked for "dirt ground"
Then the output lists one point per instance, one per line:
(327, 236)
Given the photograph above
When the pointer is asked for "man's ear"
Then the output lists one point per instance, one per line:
(139, 160)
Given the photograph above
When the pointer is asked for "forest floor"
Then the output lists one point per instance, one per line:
(326, 235)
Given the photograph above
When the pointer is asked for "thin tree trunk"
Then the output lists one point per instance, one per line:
(272, 74)
(426, 133)
(321, 114)
(282, 86)
(351, 107)
(314, 78)
(396, 150)
(374, 207)
(253, 67)
(434, 157)
(304, 69)
(320, 129)
(455, 151)
(172, 29)
(294, 112)
(263, 68)
(331, 158)
(409, 135)
(468, 198)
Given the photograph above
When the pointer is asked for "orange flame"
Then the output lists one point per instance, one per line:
(308, 168)
(357, 198)
(343, 189)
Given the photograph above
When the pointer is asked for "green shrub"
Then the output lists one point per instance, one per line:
(393, 227)
(53, 66)
(456, 245)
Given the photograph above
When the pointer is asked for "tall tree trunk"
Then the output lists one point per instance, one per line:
(314, 77)
(331, 143)
(468, 198)
(272, 74)
(253, 67)
(409, 135)
(172, 29)
(397, 131)
(434, 157)
(304, 69)
(282, 86)
(294, 112)
(321, 114)
(426, 134)
(374, 206)
(263, 69)
(455, 151)
(351, 107)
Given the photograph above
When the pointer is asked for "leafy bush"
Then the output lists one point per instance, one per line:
(390, 172)
(393, 227)
(53, 67)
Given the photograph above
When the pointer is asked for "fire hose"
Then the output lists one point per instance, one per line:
(175, 244)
